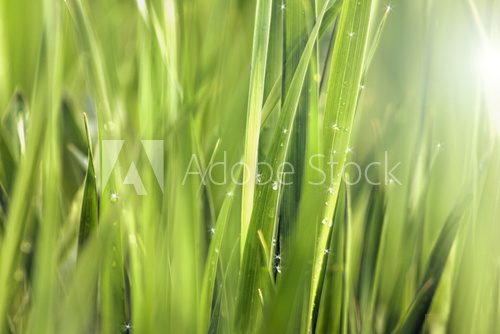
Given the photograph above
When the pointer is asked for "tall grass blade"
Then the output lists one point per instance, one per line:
(208, 284)
(343, 89)
(332, 302)
(254, 282)
(255, 103)
(414, 318)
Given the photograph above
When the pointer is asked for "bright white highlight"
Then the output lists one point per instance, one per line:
(489, 70)
(489, 66)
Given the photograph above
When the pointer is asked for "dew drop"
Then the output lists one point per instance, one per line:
(26, 247)
(114, 197)
(19, 275)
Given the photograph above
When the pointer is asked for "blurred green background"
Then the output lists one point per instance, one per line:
(179, 71)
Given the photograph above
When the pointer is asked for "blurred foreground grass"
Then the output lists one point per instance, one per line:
(249, 216)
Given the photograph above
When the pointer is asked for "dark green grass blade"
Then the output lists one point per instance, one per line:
(4, 208)
(370, 252)
(89, 213)
(12, 137)
(414, 319)
(72, 146)
(298, 19)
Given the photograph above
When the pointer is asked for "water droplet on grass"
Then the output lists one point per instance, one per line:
(114, 197)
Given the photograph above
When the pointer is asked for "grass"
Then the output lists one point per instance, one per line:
(253, 217)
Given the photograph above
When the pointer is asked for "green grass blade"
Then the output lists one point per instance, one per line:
(255, 101)
(45, 283)
(212, 261)
(272, 99)
(20, 206)
(253, 282)
(414, 319)
(12, 139)
(332, 304)
(89, 214)
(370, 254)
(331, 14)
(295, 17)
(343, 88)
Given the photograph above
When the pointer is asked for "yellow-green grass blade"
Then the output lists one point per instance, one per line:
(44, 284)
(332, 301)
(343, 89)
(254, 283)
(255, 102)
(78, 312)
(331, 14)
(414, 318)
(212, 261)
(17, 219)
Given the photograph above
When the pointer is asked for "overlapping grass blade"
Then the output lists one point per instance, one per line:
(12, 139)
(20, 203)
(331, 304)
(343, 88)
(44, 282)
(253, 278)
(414, 318)
(370, 253)
(208, 284)
(255, 102)
(298, 19)
(89, 215)
(330, 16)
